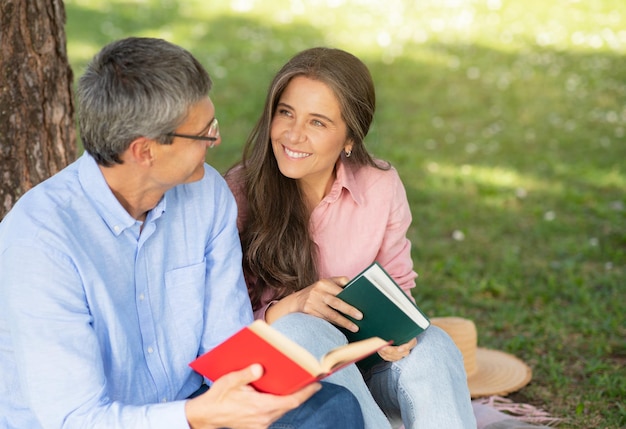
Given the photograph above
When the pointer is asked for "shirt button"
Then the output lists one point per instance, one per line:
(116, 228)
(141, 297)
(150, 350)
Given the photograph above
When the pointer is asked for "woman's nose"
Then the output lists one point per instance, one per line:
(295, 133)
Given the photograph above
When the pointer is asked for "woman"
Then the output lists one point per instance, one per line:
(314, 210)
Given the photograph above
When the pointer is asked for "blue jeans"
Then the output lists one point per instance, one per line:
(427, 389)
(332, 407)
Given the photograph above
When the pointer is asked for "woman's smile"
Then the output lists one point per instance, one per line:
(295, 154)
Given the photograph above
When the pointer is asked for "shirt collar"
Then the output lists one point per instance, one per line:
(107, 206)
(345, 180)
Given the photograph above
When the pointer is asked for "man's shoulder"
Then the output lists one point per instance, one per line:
(53, 192)
(212, 180)
(209, 191)
(43, 212)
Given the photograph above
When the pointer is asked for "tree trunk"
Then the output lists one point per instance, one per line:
(37, 131)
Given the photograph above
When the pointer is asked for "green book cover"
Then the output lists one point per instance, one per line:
(388, 312)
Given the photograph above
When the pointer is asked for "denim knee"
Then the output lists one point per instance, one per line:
(330, 408)
(343, 406)
(437, 341)
(311, 332)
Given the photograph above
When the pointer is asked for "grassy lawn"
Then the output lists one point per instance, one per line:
(507, 123)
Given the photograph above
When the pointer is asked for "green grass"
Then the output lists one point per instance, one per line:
(507, 123)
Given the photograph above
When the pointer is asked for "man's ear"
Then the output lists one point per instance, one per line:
(140, 151)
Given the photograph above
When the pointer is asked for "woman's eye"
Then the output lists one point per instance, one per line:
(284, 112)
(317, 123)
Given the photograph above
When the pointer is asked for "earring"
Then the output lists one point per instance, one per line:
(348, 153)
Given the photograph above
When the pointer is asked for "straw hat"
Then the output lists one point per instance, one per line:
(489, 372)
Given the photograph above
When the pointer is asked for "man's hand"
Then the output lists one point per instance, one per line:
(231, 402)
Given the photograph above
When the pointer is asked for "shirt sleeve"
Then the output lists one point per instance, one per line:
(59, 369)
(228, 307)
(395, 252)
(234, 179)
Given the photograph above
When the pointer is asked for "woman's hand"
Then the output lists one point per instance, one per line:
(320, 300)
(395, 353)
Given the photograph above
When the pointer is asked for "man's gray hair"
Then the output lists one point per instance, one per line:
(136, 87)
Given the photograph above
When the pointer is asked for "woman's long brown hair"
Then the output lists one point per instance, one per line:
(278, 251)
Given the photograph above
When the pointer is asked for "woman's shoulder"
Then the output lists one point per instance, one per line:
(383, 175)
(234, 174)
(235, 180)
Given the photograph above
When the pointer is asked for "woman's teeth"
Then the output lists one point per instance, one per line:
(293, 154)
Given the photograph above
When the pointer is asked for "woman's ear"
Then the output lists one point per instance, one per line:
(348, 149)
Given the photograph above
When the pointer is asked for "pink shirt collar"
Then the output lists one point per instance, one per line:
(345, 180)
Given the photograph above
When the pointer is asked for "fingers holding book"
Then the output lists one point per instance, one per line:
(232, 400)
(395, 353)
(320, 299)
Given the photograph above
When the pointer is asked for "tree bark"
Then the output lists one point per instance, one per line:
(37, 131)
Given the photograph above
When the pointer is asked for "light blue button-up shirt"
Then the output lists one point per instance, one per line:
(99, 318)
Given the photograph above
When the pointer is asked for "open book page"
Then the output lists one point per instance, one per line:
(378, 277)
(287, 366)
(344, 355)
(288, 347)
(331, 361)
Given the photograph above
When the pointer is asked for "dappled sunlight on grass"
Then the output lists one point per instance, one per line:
(507, 123)
(394, 28)
(394, 25)
(518, 183)
(81, 52)
(507, 181)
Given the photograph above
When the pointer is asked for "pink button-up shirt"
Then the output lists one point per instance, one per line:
(364, 217)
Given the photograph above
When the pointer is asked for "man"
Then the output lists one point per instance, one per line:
(121, 269)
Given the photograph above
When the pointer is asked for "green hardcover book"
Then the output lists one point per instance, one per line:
(388, 312)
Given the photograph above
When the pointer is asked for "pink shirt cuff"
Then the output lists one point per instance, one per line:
(260, 313)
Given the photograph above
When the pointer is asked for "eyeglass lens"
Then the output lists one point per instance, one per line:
(214, 129)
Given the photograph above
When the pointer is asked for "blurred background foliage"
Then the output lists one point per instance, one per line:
(507, 122)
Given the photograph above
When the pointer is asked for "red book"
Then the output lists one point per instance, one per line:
(287, 366)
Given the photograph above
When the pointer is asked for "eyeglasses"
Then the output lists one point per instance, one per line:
(212, 134)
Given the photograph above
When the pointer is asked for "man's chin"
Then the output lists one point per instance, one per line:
(197, 175)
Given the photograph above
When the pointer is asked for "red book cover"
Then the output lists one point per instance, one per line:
(287, 366)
